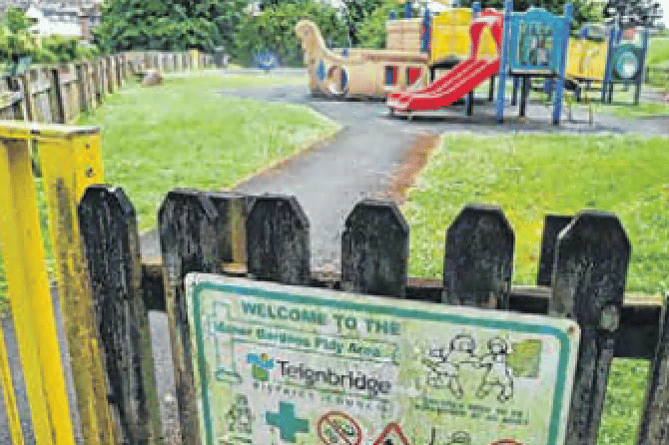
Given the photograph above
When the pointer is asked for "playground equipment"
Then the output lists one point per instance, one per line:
(449, 38)
(266, 61)
(460, 80)
(586, 57)
(535, 45)
(412, 46)
(624, 63)
(607, 60)
(358, 72)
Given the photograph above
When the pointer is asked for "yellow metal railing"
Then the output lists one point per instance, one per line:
(71, 161)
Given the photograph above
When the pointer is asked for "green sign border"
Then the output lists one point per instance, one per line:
(562, 337)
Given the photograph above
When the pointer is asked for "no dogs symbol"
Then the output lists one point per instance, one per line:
(337, 428)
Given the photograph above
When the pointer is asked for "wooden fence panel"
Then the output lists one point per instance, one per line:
(277, 239)
(104, 77)
(109, 75)
(148, 60)
(83, 79)
(109, 231)
(375, 249)
(188, 224)
(588, 286)
(99, 81)
(11, 102)
(65, 77)
(478, 258)
(40, 92)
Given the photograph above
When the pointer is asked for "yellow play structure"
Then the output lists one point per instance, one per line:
(586, 60)
(449, 38)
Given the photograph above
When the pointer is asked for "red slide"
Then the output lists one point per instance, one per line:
(450, 87)
(461, 79)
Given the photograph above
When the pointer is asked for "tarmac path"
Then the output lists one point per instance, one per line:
(363, 160)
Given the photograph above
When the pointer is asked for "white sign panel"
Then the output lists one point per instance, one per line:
(296, 365)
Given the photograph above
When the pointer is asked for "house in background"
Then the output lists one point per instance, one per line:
(68, 18)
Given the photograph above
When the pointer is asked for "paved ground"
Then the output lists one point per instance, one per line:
(360, 162)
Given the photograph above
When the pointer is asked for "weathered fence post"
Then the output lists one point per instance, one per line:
(109, 232)
(478, 258)
(654, 425)
(188, 240)
(277, 240)
(553, 225)
(375, 249)
(588, 286)
(59, 96)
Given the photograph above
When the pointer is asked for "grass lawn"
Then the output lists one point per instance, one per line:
(185, 134)
(658, 51)
(531, 175)
(644, 109)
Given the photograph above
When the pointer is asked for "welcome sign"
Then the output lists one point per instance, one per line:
(281, 364)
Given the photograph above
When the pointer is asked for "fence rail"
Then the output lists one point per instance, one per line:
(60, 93)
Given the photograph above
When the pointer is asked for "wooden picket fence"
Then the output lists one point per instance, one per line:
(582, 272)
(60, 93)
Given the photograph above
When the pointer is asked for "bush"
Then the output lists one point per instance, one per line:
(274, 30)
(372, 31)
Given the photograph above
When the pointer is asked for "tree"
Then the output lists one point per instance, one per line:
(632, 13)
(371, 32)
(16, 19)
(274, 30)
(169, 24)
(584, 10)
(356, 12)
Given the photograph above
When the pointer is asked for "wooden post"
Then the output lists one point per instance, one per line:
(109, 232)
(59, 96)
(588, 286)
(654, 425)
(478, 259)
(188, 240)
(81, 79)
(553, 225)
(277, 240)
(375, 249)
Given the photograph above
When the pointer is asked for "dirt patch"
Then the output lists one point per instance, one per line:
(415, 158)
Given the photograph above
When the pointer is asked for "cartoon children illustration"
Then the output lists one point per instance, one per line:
(497, 374)
(445, 367)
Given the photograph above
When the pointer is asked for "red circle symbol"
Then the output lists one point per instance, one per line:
(506, 442)
(337, 428)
